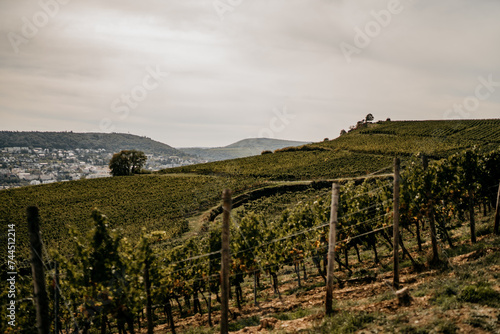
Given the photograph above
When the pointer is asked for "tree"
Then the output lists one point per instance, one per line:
(127, 162)
(369, 118)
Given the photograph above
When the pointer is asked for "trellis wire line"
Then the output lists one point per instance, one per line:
(388, 167)
(369, 207)
(344, 240)
(370, 191)
(204, 279)
(282, 238)
(319, 226)
(187, 268)
(305, 231)
(310, 239)
(291, 235)
(57, 286)
(310, 266)
(287, 237)
(348, 239)
(367, 233)
(288, 263)
(241, 232)
(364, 222)
(371, 174)
(194, 257)
(389, 183)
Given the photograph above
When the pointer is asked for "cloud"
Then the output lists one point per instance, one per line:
(227, 76)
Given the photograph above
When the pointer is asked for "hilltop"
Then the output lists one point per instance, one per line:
(243, 148)
(366, 149)
(111, 142)
(437, 138)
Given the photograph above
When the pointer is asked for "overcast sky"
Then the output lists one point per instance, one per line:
(209, 73)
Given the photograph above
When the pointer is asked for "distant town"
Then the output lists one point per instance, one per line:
(24, 166)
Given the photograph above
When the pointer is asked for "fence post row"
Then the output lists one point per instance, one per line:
(41, 298)
(149, 303)
(331, 249)
(56, 298)
(226, 206)
(497, 214)
(430, 215)
(395, 228)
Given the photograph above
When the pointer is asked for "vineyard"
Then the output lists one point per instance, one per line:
(435, 138)
(168, 201)
(301, 165)
(158, 203)
(110, 282)
(360, 151)
(279, 236)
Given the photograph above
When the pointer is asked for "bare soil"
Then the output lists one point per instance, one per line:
(275, 315)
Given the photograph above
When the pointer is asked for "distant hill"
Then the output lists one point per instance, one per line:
(240, 149)
(113, 142)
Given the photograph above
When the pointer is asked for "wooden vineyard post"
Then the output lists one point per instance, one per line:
(209, 295)
(331, 249)
(56, 298)
(430, 215)
(255, 289)
(395, 228)
(41, 298)
(149, 303)
(497, 214)
(471, 216)
(226, 206)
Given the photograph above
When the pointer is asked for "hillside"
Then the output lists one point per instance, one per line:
(361, 151)
(443, 301)
(278, 228)
(111, 142)
(156, 202)
(243, 148)
(437, 138)
(265, 143)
